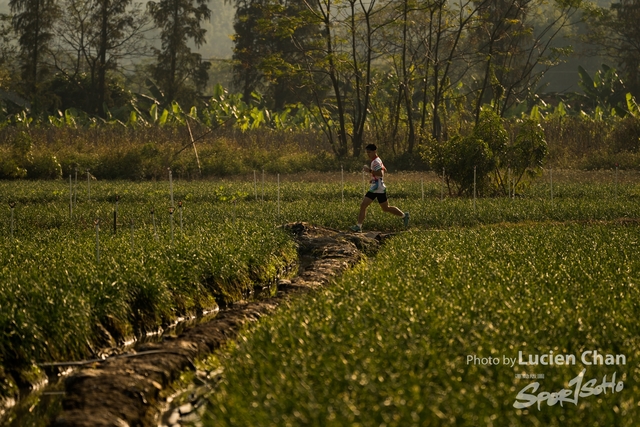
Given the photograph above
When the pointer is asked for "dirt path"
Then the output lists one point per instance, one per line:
(126, 391)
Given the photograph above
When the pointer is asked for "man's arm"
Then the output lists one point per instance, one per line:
(379, 172)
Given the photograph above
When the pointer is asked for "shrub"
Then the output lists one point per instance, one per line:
(44, 166)
(488, 153)
(459, 155)
(528, 152)
(625, 136)
(9, 169)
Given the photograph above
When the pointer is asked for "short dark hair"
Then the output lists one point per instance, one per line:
(371, 147)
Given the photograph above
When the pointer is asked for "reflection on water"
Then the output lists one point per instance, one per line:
(37, 408)
(40, 407)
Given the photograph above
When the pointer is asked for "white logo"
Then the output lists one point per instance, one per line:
(526, 399)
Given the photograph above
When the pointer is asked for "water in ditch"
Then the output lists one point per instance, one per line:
(38, 407)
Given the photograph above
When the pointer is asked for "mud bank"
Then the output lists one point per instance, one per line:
(125, 391)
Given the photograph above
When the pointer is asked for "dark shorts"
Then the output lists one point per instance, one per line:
(382, 197)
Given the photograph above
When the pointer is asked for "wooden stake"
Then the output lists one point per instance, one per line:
(171, 210)
(171, 186)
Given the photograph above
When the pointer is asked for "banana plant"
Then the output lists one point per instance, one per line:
(605, 90)
(632, 106)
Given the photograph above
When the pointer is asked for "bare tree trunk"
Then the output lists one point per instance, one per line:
(102, 59)
(172, 86)
(361, 106)
(335, 82)
(405, 81)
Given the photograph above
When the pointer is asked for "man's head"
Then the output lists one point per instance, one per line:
(371, 151)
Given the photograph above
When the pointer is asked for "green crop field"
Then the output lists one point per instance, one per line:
(430, 332)
(69, 288)
(388, 343)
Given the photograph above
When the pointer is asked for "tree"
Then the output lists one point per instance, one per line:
(33, 21)
(616, 34)
(8, 72)
(519, 48)
(432, 53)
(487, 157)
(344, 61)
(606, 90)
(270, 38)
(325, 63)
(94, 38)
(117, 33)
(179, 72)
(7, 52)
(246, 73)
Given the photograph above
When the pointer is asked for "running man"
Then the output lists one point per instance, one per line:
(377, 190)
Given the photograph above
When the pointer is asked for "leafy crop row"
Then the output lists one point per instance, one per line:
(59, 301)
(389, 343)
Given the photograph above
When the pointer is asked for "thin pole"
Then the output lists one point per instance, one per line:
(171, 186)
(171, 209)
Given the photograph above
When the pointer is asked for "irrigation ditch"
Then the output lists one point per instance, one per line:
(138, 386)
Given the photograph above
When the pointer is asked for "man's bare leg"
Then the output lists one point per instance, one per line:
(363, 210)
(391, 209)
